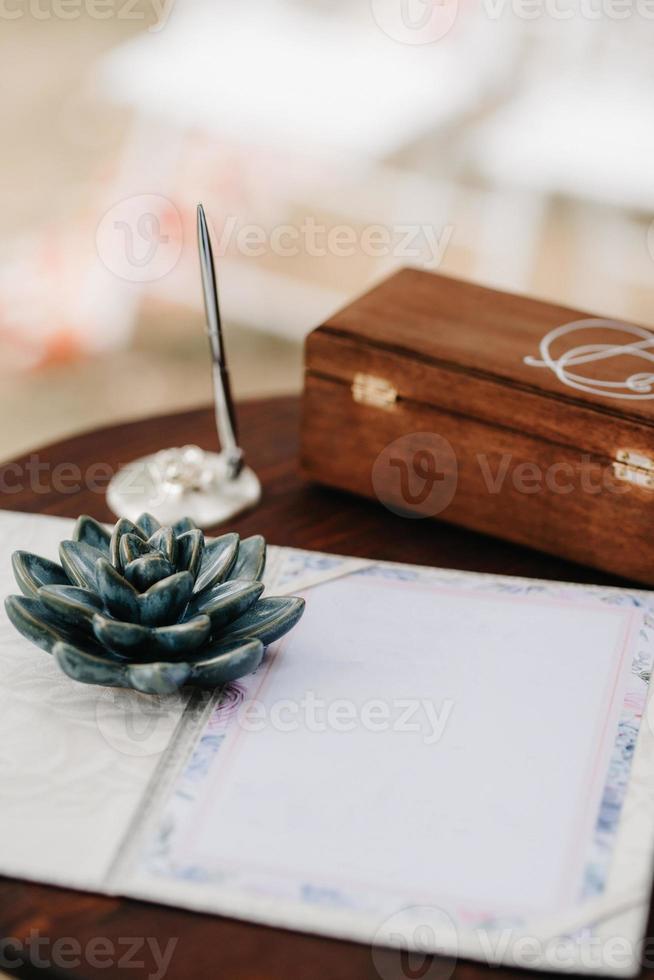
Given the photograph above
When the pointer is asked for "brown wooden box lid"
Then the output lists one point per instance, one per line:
(463, 348)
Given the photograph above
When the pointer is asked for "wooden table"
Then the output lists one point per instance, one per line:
(69, 478)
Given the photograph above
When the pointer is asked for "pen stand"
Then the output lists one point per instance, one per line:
(190, 482)
(186, 482)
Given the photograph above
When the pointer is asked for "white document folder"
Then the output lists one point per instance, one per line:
(451, 762)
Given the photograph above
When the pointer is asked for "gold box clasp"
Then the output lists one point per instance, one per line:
(636, 468)
(370, 390)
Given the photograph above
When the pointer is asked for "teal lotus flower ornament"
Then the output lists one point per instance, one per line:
(150, 607)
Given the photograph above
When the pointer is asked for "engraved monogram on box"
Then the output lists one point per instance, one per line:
(630, 341)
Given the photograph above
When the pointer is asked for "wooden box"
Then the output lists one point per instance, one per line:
(518, 418)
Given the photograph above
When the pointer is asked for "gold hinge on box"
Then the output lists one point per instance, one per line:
(370, 390)
(634, 468)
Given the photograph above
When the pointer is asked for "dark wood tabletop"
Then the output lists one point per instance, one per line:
(69, 478)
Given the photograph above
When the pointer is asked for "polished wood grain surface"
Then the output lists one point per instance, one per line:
(487, 331)
(69, 478)
(454, 355)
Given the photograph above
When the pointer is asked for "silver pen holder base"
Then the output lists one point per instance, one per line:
(187, 482)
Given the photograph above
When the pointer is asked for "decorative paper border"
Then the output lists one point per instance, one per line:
(293, 570)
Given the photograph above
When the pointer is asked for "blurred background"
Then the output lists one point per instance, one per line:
(506, 141)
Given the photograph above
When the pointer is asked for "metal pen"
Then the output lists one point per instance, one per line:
(225, 413)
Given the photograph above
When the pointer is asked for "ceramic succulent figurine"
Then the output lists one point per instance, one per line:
(150, 607)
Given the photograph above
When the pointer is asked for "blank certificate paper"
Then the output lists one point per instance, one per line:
(450, 762)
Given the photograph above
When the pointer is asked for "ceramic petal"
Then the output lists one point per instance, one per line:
(119, 597)
(226, 602)
(122, 528)
(148, 525)
(131, 547)
(89, 668)
(251, 559)
(182, 638)
(79, 562)
(74, 606)
(219, 558)
(32, 571)
(124, 638)
(186, 524)
(266, 621)
(147, 570)
(224, 662)
(158, 678)
(191, 550)
(32, 619)
(164, 540)
(90, 531)
(164, 603)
